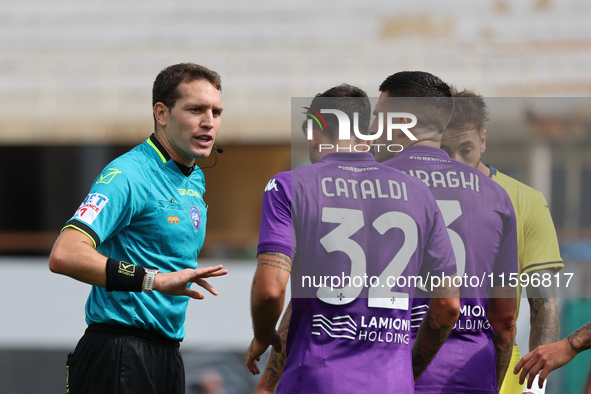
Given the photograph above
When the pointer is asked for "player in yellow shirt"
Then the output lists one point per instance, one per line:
(538, 252)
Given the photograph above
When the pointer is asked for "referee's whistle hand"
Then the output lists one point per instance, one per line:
(177, 283)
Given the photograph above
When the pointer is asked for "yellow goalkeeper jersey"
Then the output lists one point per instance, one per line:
(537, 244)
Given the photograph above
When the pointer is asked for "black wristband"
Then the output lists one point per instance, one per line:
(122, 276)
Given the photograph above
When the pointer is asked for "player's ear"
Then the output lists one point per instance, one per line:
(312, 140)
(161, 114)
(404, 120)
(320, 137)
(365, 142)
(482, 141)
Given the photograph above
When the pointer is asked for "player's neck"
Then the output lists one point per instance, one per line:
(483, 168)
(425, 137)
(345, 146)
(431, 143)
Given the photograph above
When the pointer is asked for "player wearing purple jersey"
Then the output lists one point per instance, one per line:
(481, 223)
(350, 220)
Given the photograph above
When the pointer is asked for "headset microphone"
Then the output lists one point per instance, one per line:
(216, 150)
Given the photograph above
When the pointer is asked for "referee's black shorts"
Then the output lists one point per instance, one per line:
(122, 360)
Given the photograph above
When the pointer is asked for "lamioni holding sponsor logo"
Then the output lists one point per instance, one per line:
(371, 328)
(345, 130)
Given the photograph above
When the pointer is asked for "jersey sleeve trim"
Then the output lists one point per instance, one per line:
(85, 229)
(275, 247)
(541, 266)
(449, 270)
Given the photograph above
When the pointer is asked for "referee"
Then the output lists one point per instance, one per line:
(136, 237)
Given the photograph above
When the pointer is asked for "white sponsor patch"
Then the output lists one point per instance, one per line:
(92, 205)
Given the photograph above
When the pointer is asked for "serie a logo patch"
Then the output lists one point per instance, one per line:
(195, 217)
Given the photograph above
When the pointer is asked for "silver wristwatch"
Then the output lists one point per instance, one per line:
(149, 281)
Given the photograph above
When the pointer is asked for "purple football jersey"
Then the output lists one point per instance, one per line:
(350, 226)
(481, 223)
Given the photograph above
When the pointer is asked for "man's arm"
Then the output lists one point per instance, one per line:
(267, 298)
(438, 322)
(543, 312)
(73, 255)
(276, 361)
(540, 249)
(587, 389)
(543, 307)
(546, 358)
(502, 307)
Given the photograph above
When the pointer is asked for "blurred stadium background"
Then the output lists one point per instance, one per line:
(75, 92)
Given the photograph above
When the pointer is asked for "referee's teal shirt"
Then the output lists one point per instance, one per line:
(143, 210)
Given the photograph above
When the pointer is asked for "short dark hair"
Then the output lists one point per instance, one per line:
(346, 98)
(469, 111)
(167, 81)
(433, 105)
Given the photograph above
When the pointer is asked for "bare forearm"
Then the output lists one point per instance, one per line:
(438, 322)
(276, 362)
(503, 340)
(435, 328)
(543, 308)
(501, 316)
(581, 339)
(544, 322)
(273, 369)
(504, 351)
(265, 314)
(587, 389)
(268, 292)
(267, 297)
(74, 255)
(430, 337)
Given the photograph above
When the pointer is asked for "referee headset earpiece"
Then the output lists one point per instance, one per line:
(216, 150)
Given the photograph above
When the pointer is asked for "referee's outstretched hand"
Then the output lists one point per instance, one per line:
(176, 283)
